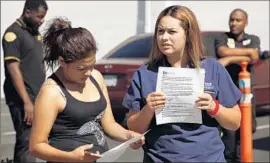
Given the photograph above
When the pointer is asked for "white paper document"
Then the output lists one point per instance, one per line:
(114, 153)
(182, 86)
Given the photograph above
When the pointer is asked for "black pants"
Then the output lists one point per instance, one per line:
(231, 140)
(21, 152)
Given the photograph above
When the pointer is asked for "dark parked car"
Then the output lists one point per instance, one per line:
(121, 62)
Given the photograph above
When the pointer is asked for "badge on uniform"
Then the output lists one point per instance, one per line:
(10, 37)
(246, 42)
(39, 37)
(231, 43)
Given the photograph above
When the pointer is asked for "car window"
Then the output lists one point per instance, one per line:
(139, 48)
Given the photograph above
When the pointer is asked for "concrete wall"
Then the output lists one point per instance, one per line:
(113, 21)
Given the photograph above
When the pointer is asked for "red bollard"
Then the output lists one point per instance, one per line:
(246, 147)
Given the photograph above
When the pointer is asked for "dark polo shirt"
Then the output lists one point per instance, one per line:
(20, 45)
(227, 39)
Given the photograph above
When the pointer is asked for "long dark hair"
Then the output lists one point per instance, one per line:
(60, 39)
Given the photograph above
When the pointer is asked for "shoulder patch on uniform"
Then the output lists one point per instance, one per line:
(10, 37)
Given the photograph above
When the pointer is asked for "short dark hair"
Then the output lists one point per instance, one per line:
(35, 4)
(240, 10)
(60, 39)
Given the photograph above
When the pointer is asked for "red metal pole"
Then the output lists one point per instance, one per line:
(246, 148)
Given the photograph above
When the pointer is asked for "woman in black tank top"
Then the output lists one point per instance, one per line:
(72, 110)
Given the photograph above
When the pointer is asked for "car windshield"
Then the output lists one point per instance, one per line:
(139, 48)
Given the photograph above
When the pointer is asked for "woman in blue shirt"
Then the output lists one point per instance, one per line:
(177, 43)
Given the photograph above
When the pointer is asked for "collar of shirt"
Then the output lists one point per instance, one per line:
(245, 37)
(21, 23)
(24, 26)
(165, 63)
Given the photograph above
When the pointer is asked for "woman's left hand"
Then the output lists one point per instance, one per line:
(138, 144)
(205, 102)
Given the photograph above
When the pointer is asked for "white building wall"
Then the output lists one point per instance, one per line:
(109, 21)
(214, 15)
(113, 21)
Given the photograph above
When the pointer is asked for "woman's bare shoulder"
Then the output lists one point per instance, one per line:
(51, 88)
(98, 77)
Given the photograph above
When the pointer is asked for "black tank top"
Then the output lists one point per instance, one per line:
(79, 123)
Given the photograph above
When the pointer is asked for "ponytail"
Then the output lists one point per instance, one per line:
(51, 40)
(70, 43)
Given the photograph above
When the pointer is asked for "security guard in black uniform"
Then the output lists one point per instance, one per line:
(233, 48)
(24, 72)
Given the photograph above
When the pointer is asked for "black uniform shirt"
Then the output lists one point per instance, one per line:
(22, 46)
(227, 39)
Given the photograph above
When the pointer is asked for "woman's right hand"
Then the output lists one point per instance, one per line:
(155, 100)
(82, 155)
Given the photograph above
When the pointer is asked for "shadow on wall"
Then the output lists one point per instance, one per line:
(6, 160)
(262, 144)
(140, 17)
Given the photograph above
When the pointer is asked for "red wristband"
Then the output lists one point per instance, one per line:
(215, 110)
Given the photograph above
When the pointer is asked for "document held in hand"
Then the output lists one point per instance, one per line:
(182, 86)
(114, 153)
